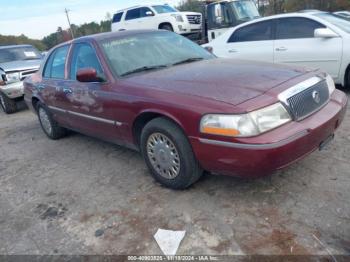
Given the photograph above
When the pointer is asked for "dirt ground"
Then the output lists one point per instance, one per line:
(79, 195)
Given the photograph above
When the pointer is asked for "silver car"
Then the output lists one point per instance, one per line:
(16, 63)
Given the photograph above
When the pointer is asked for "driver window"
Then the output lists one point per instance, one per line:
(84, 56)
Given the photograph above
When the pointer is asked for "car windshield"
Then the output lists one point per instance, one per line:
(18, 53)
(151, 51)
(160, 9)
(343, 24)
(245, 10)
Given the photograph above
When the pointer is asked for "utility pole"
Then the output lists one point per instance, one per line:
(70, 26)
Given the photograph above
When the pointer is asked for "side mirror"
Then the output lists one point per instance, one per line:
(88, 75)
(325, 33)
(149, 13)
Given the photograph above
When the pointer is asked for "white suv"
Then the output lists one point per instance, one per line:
(157, 17)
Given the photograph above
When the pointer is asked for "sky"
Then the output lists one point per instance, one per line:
(39, 18)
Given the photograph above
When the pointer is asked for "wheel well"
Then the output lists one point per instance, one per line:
(141, 121)
(35, 102)
(165, 23)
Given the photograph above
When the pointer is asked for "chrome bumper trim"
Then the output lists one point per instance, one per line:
(254, 146)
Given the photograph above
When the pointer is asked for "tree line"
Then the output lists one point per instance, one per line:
(266, 7)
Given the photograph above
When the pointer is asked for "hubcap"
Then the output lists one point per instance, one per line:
(163, 155)
(45, 122)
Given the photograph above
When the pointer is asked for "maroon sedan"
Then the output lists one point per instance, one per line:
(184, 109)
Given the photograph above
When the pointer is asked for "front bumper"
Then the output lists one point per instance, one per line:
(13, 90)
(187, 28)
(264, 154)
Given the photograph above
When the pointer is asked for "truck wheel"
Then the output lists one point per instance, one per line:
(168, 154)
(7, 104)
(167, 27)
(48, 124)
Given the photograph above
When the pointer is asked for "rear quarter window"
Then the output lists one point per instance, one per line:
(117, 17)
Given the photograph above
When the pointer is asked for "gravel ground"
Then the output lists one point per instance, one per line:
(79, 195)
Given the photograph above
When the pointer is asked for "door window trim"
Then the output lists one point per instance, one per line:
(277, 20)
(52, 55)
(69, 65)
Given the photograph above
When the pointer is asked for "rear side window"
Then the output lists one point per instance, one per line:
(117, 17)
(55, 65)
(261, 31)
(84, 56)
(296, 27)
(133, 14)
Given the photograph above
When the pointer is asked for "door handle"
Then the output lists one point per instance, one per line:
(67, 90)
(233, 51)
(281, 49)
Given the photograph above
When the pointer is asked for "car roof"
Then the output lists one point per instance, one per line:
(12, 46)
(309, 14)
(109, 35)
(137, 6)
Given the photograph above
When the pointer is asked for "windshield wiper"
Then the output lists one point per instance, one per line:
(189, 60)
(143, 68)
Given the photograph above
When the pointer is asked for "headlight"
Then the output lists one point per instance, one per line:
(178, 18)
(245, 125)
(331, 84)
(13, 77)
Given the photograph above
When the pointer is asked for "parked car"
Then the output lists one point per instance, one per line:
(343, 14)
(183, 108)
(157, 17)
(312, 39)
(16, 63)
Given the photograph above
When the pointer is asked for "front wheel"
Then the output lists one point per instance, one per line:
(48, 124)
(7, 104)
(168, 154)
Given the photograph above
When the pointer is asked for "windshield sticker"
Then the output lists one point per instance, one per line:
(29, 54)
(119, 42)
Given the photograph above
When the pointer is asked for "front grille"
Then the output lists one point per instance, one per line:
(24, 74)
(194, 19)
(309, 100)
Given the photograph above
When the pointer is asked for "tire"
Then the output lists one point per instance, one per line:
(347, 79)
(168, 154)
(7, 104)
(50, 127)
(167, 27)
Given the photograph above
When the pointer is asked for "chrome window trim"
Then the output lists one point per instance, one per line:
(98, 119)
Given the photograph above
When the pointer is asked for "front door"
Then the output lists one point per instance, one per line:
(89, 105)
(296, 44)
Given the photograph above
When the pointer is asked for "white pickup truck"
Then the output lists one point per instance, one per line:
(157, 17)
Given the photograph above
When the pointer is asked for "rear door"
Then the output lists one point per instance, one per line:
(296, 44)
(52, 83)
(251, 42)
(132, 17)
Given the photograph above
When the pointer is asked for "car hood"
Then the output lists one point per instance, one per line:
(225, 80)
(21, 65)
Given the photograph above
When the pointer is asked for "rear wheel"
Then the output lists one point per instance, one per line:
(169, 155)
(7, 104)
(167, 27)
(48, 124)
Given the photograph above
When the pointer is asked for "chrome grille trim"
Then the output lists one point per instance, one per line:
(194, 19)
(299, 99)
